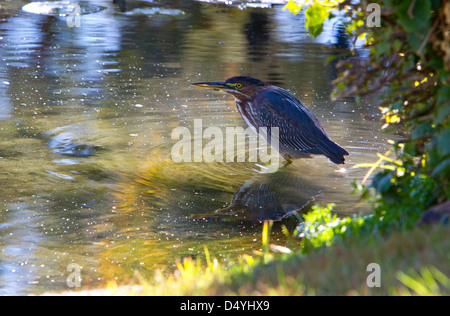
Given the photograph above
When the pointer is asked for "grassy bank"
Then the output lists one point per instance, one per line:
(332, 260)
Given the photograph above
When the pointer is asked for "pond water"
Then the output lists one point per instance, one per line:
(86, 117)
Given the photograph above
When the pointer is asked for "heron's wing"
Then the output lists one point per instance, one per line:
(298, 128)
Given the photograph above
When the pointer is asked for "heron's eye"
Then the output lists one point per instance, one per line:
(238, 85)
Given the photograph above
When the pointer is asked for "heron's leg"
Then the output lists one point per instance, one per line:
(287, 162)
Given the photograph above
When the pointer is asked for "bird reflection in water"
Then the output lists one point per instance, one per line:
(274, 196)
(179, 194)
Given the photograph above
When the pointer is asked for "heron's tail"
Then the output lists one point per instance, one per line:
(333, 151)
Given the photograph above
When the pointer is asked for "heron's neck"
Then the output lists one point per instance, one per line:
(245, 109)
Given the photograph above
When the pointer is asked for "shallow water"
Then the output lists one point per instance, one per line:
(86, 116)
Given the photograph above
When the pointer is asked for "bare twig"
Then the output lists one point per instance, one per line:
(427, 38)
(411, 8)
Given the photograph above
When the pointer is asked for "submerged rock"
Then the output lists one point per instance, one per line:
(71, 141)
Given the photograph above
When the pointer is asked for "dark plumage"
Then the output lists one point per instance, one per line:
(264, 105)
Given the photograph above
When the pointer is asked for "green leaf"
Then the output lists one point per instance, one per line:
(415, 41)
(397, 44)
(316, 14)
(410, 149)
(341, 85)
(444, 94)
(442, 169)
(293, 7)
(382, 49)
(421, 130)
(416, 20)
(444, 142)
(442, 114)
(398, 105)
(382, 182)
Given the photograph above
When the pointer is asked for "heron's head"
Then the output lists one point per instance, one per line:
(238, 86)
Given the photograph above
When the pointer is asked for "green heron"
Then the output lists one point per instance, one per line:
(264, 105)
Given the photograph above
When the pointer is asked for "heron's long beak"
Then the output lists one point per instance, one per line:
(219, 86)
